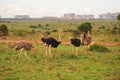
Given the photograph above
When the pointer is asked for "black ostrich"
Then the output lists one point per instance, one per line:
(75, 42)
(50, 42)
(84, 40)
(21, 45)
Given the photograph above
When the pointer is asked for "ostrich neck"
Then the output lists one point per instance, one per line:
(59, 37)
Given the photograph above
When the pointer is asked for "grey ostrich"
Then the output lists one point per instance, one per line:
(22, 46)
(86, 39)
(50, 42)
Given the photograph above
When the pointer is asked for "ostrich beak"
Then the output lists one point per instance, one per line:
(70, 37)
(42, 36)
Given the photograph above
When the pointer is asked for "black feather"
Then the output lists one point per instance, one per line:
(50, 41)
(76, 42)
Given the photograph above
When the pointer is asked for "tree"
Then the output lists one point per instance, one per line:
(118, 18)
(4, 29)
(85, 27)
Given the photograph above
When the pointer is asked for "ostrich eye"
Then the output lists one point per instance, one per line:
(11, 45)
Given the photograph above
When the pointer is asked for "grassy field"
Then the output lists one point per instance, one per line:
(64, 66)
(21, 29)
(88, 65)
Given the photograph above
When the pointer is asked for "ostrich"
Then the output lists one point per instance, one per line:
(21, 45)
(86, 39)
(50, 42)
(75, 42)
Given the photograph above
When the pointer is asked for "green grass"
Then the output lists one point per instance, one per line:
(97, 34)
(64, 66)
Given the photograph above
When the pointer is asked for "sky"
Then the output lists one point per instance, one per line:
(40, 8)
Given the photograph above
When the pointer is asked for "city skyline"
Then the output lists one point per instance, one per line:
(40, 8)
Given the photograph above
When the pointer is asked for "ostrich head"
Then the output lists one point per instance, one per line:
(82, 38)
(42, 36)
(12, 44)
(70, 37)
(88, 34)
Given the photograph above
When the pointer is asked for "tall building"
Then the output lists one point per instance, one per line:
(49, 18)
(21, 16)
(85, 17)
(69, 16)
(108, 16)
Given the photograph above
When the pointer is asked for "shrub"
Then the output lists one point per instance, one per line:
(33, 26)
(118, 17)
(115, 28)
(4, 29)
(99, 48)
(69, 30)
(116, 40)
(85, 27)
(103, 27)
(39, 26)
(55, 30)
(47, 25)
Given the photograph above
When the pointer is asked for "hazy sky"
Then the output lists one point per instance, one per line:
(39, 8)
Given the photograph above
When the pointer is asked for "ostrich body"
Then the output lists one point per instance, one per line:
(75, 42)
(50, 42)
(21, 45)
(86, 39)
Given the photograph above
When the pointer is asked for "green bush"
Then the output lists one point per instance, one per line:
(116, 40)
(85, 27)
(68, 30)
(99, 48)
(33, 26)
(40, 26)
(4, 29)
(55, 30)
(47, 25)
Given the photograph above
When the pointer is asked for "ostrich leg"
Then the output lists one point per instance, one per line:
(76, 51)
(27, 56)
(19, 55)
(50, 50)
(46, 50)
(73, 49)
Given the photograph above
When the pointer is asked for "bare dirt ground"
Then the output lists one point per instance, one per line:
(64, 43)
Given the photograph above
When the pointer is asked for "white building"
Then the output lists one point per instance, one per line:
(108, 16)
(21, 16)
(85, 17)
(50, 18)
(69, 16)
